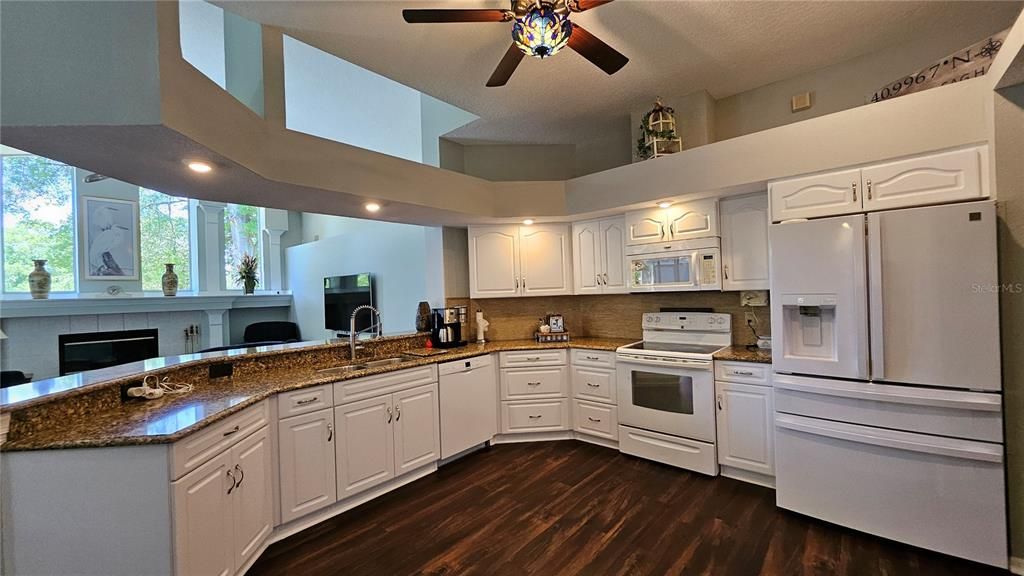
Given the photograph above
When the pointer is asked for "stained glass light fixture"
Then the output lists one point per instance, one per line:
(541, 32)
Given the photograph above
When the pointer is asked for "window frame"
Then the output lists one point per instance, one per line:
(226, 277)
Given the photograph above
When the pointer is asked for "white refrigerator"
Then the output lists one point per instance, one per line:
(887, 376)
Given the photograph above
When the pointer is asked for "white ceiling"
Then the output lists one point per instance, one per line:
(674, 47)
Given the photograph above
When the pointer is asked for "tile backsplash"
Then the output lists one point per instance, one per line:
(606, 316)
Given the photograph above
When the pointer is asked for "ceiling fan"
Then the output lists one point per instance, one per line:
(540, 28)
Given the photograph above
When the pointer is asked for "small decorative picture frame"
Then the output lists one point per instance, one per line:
(110, 230)
(556, 322)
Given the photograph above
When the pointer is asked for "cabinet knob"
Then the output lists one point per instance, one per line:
(398, 413)
(592, 385)
(725, 271)
(232, 431)
(719, 398)
(233, 482)
(592, 419)
(854, 186)
(307, 401)
(390, 415)
(535, 417)
(533, 383)
(330, 432)
(868, 183)
(242, 477)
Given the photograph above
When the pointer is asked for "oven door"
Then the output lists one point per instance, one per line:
(666, 272)
(674, 397)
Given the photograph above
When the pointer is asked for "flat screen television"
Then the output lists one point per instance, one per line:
(342, 295)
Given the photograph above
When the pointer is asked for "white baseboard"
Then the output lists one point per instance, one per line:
(1017, 565)
(590, 439)
(747, 476)
(532, 437)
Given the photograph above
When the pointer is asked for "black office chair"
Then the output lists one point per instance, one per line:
(13, 378)
(271, 333)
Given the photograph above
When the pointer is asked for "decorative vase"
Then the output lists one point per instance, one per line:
(39, 281)
(423, 317)
(250, 286)
(169, 281)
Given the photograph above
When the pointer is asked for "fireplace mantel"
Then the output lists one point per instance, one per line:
(59, 305)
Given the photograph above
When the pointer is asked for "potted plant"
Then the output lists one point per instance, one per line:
(247, 276)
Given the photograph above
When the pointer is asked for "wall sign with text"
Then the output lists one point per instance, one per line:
(968, 63)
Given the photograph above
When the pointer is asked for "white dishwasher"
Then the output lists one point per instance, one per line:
(469, 404)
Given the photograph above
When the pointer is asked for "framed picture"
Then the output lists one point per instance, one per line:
(556, 322)
(110, 232)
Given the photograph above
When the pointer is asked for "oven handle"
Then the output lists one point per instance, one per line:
(704, 365)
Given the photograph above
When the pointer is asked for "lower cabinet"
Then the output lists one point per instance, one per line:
(535, 416)
(224, 509)
(596, 419)
(745, 427)
(308, 473)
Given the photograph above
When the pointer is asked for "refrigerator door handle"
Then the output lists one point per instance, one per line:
(875, 303)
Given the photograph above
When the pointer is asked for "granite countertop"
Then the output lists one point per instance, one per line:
(60, 423)
(743, 354)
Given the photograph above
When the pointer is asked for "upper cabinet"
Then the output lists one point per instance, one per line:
(682, 221)
(599, 264)
(508, 261)
(930, 179)
(744, 222)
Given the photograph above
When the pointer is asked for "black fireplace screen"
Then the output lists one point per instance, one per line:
(92, 350)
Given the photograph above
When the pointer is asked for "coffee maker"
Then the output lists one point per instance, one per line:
(446, 325)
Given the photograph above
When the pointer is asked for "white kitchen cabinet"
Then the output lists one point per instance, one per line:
(417, 434)
(931, 179)
(596, 419)
(308, 473)
(224, 509)
(510, 261)
(535, 416)
(365, 445)
(598, 249)
(681, 221)
(828, 194)
(534, 382)
(744, 222)
(745, 427)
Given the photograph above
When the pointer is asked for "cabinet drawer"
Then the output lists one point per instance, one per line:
(595, 358)
(593, 383)
(533, 358)
(743, 372)
(192, 451)
(534, 416)
(363, 388)
(596, 419)
(545, 382)
(304, 401)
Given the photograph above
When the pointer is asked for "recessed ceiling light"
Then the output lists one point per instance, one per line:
(664, 204)
(371, 206)
(201, 167)
(528, 222)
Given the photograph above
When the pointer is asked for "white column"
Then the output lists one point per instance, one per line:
(275, 224)
(209, 246)
(214, 328)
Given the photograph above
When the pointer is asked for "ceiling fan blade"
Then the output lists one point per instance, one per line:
(506, 67)
(430, 16)
(584, 5)
(600, 54)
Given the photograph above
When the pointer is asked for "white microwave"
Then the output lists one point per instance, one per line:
(678, 266)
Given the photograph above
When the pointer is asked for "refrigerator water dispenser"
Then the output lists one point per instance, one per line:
(809, 324)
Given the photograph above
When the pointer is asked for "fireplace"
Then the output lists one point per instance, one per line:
(92, 350)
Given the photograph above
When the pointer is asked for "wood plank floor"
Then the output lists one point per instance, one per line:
(574, 508)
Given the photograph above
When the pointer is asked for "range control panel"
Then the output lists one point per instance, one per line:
(687, 321)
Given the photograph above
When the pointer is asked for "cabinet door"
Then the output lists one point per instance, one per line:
(829, 194)
(745, 242)
(417, 428)
(745, 427)
(545, 263)
(932, 179)
(645, 226)
(365, 445)
(203, 519)
(253, 495)
(586, 257)
(697, 219)
(307, 466)
(537, 382)
(613, 245)
(493, 261)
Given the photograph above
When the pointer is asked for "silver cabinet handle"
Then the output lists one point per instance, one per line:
(398, 413)
(307, 401)
(592, 357)
(390, 415)
(232, 431)
(593, 385)
(854, 186)
(719, 398)
(242, 472)
(592, 419)
(869, 189)
(524, 282)
(330, 432)
(725, 271)
(743, 372)
(533, 383)
(532, 358)
(233, 482)
(605, 279)
(535, 417)
(516, 278)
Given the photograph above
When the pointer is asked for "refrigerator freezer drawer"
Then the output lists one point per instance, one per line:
(937, 493)
(970, 415)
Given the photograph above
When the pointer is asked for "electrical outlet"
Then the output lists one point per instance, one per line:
(750, 319)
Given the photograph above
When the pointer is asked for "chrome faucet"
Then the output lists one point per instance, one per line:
(378, 328)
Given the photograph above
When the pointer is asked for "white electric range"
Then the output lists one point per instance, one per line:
(666, 389)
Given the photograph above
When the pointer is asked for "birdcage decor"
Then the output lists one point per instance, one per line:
(658, 135)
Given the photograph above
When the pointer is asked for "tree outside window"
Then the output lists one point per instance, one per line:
(164, 228)
(38, 200)
(241, 236)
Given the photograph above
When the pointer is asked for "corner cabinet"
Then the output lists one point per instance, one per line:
(681, 221)
(598, 254)
(511, 261)
(744, 221)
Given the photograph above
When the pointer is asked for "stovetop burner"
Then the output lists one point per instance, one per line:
(675, 347)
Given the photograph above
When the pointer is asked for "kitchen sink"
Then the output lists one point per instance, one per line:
(366, 365)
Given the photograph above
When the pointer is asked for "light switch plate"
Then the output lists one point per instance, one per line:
(801, 101)
(754, 298)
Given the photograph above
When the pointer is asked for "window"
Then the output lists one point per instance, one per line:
(38, 208)
(164, 228)
(241, 236)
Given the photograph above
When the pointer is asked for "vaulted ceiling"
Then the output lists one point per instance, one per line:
(674, 47)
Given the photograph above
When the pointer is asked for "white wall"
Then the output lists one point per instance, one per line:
(202, 38)
(437, 119)
(401, 257)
